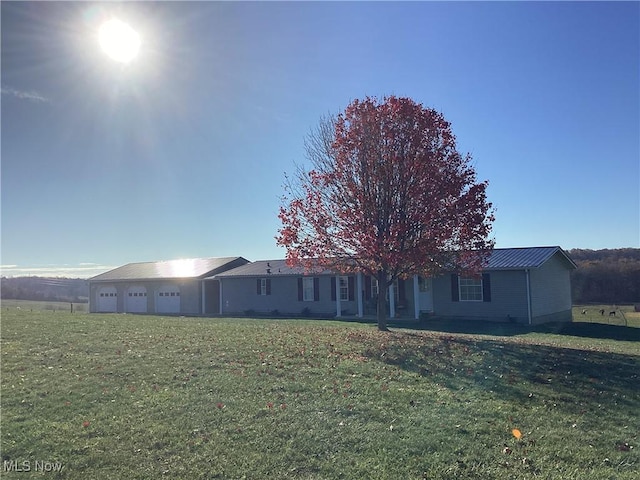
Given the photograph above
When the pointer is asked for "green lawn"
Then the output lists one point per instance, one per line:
(624, 314)
(36, 306)
(145, 397)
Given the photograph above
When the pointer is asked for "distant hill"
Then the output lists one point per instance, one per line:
(45, 289)
(606, 276)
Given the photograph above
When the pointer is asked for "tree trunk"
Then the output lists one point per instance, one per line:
(382, 301)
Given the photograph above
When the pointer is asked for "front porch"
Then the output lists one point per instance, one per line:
(411, 298)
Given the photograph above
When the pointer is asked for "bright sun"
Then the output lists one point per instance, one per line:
(118, 40)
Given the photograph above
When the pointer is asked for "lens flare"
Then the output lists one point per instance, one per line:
(119, 41)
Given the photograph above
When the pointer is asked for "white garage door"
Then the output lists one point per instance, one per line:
(136, 301)
(168, 299)
(107, 299)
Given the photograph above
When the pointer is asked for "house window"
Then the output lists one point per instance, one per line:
(344, 289)
(374, 287)
(470, 289)
(263, 286)
(307, 289)
(423, 285)
(396, 292)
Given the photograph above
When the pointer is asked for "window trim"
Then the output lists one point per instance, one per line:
(479, 285)
(263, 286)
(374, 287)
(308, 289)
(344, 288)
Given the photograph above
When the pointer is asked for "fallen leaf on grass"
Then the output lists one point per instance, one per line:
(516, 433)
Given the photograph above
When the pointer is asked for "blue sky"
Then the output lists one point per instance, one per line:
(182, 152)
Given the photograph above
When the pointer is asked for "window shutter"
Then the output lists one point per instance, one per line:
(455, 291)
(316, 289)
(268, 286)
(259, 290)
(333, 288)
(486, 287)
(351, 282)
(300, 289)
(367, 287)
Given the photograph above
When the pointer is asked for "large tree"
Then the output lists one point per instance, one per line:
(387, 194)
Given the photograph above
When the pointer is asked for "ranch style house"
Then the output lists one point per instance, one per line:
(525, 285)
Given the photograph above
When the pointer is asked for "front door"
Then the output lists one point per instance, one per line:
(425, 294)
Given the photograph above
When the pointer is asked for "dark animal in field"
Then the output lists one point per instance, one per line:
(602, 312)
(612, 313)
(584, 312)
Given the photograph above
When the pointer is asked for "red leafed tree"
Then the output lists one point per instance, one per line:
(389, 195)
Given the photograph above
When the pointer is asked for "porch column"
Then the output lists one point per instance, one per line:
(203, 305)
(392, 302)
(359, 293)
(416, 297)
(338, 306)
(220, 283)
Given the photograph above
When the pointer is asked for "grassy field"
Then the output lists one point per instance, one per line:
(51, 306)
(144, 397)
(624, 314)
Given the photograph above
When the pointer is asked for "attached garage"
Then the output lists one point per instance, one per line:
(136, 299)
(168, 299)
(107, 300)
(175, 287)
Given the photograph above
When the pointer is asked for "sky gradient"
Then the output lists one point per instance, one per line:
(182, 153)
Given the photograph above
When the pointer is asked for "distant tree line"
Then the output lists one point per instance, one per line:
(606, 276)
(74, 290)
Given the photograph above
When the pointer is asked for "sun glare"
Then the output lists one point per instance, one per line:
(184, 267)
(119, 41)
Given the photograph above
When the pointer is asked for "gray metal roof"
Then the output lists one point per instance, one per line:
(522, 258)
(183, 268)
(500, 259)
(266, 267)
